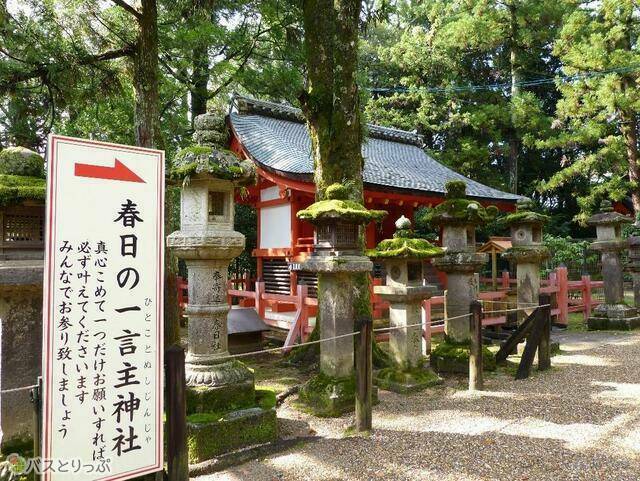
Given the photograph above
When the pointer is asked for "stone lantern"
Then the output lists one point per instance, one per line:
(22, 226)
(614, 313)
(527, 251)
(458, 217)
(208, 243)
(403, 257)
(633, 265)
(337, 260)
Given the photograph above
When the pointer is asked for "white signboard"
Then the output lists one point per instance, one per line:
(102, 342)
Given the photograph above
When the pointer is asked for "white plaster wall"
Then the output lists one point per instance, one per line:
(275, 226)
(270, 193)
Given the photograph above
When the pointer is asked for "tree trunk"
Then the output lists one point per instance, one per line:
(629, 128)
(199, 92)
(331, 105)
(148, 134)
(331, 102)
(514, 142)
(145, 76)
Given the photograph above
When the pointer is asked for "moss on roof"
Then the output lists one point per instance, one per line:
(337, 206)
(404, 247)
(457, 209)
(15, 189)
(524, 214)
(349, 210)
(219, 163)
(21, 161)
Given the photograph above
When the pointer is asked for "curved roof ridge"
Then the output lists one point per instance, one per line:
(249, 105)
(276, 137)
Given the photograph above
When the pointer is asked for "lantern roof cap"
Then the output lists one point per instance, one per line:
(337, 206)
(524, 214)
(607, 216)
(458, 209)
(405, 245)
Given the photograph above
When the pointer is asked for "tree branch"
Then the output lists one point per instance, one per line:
(42, 71)
(128, 8)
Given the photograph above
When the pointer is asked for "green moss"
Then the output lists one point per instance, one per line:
(348, 210)
(449, 356)
(210, 438)
(20, 445)
(219, 163)
(15, 189)
(457, 209)
(405, 247)
(406, 380)
(21, 161)
(326, 396)
(522, 217)
(337, 191)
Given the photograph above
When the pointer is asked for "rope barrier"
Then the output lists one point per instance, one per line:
(394, 328)
(16, 389)
(515, 309)
(276, 349)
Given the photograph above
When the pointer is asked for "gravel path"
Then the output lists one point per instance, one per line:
(579, 421)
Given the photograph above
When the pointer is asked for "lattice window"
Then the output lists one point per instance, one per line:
(216, 204)
(347, 235)
(23, 228)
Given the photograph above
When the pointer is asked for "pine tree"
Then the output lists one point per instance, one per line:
(597, 117)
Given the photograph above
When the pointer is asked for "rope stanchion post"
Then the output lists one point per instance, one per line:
(177, 453)
(476, 382)
(364, 374)
(544, 349)
(36, 400)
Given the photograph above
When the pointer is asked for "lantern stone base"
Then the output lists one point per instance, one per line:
(329, 397)
(613, 316)
(211, 434)
(449, 357)
(404, 381)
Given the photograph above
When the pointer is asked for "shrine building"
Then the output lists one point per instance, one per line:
(399, 177)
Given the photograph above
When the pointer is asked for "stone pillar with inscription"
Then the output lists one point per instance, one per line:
(614, 313)
(405, 289)
(458, 217)
(208, 243)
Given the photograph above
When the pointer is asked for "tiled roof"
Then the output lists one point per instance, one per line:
(276, 137)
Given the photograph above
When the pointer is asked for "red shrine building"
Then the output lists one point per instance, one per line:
(399, 177)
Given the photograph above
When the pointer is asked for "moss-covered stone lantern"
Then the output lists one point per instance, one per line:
(22, 214)
(458, 217)
(337, 259)
(527, 252)
(614, 313)
(633, 265)
(208, 243)
(403, 256)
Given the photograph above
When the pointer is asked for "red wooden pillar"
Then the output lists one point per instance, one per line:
(506, 282)
(563, 295)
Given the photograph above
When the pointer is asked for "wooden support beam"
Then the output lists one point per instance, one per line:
(476, 381)
(364, 372)
(518, 335)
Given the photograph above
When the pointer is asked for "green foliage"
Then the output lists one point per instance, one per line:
(594, 115)
(21, 161)
(567, 251)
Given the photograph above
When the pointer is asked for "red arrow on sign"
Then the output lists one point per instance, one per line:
(118, 172)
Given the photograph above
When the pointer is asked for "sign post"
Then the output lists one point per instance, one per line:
(102, 339)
